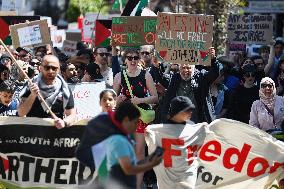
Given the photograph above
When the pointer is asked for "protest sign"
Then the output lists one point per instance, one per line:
(208, 156)
(103, 33)
(32, 34)
(86, 97)
(250, 29)
(34, 154)
(133, 30)
(89, 26)
(69, 47)
(73, 35)
(8, 13)
(184, 38)
(12, 5)
(6, 21)
(237, 47)
(57, 37)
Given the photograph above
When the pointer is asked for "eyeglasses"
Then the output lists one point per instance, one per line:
(249, 74)
(266, 85)
(104, 54)
(145, 53)
(53, 68)
(130, 58)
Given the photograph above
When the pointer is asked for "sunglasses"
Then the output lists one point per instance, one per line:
(104, 54)
(130, 58)
(53, 68)
(249, 74)
(145, 53)
(266, 85)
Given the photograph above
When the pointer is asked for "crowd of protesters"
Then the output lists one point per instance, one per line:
(244, 88)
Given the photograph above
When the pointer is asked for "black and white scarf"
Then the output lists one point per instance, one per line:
(50, 93)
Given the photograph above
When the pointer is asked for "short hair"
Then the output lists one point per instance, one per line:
(107, 91)
(126, 109)
(8, 86)
(96, 49)
(253, 58)
(3, 68)
(131, 50)
(264, 48)
(64, 66)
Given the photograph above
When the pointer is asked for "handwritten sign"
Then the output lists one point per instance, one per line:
(30, 34)
(184, 38)
(250, 29)
(133, 30)
(86, 98)
(12, 5)
(237, 47)
(69, 47)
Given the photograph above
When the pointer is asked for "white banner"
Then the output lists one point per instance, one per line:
(86, 97)
(225, 154)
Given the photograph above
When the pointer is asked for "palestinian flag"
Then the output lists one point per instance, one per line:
(94, 139)
(103, 33)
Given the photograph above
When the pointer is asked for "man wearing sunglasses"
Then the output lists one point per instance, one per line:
(54, 90)
(101, 58)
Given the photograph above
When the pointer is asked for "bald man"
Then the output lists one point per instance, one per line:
(54, 90)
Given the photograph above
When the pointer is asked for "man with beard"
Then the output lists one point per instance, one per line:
(194, 84)
(69, 73)
(101, 58)
(53, 89)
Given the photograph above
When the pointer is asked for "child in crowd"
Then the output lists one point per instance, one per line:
(8, 104)
(107, 100)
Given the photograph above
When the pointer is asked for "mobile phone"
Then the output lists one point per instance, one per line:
(159, 151)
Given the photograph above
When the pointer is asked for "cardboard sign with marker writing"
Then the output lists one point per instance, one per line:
(250, 29)
(184, 38)
(30, 34)
(133, 30)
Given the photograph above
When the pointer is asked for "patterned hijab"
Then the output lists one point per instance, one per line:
(269, 101)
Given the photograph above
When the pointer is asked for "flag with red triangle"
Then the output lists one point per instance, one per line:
(103, 33)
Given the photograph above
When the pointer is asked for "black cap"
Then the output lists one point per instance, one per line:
(180, 104)
(94, 71)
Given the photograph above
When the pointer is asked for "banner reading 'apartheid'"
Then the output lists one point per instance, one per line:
(34, 154)
(225, 154)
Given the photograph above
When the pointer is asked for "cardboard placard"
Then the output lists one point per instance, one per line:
(8, 13)
(57, 37)
(32, 34)
(250, 29)
(103, 33)
(184, 38)
(69, 47)
(73, 35)
(133, 30)
(6, 21)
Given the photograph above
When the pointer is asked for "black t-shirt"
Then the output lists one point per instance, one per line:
(57, 107)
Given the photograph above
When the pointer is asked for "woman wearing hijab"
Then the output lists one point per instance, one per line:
(268, 112)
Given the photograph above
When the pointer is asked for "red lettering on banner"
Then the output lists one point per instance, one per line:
(119, 38)
(275, 166)
(205, 148)
(241, 156)
(150, 38)
(192, 151)
(252, 164)
(169, 152)
(180, 23)
(165, 22)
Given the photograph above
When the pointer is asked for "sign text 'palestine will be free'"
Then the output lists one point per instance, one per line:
(133, 30)
(184, 38)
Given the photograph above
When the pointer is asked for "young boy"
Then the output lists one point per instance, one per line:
(8, 104)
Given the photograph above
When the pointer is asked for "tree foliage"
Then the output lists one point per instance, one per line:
(78, 7)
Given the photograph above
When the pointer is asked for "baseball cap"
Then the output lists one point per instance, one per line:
(23, 49)
(180, 104)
